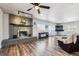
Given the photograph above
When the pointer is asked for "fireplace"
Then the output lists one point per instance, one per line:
(22, 33)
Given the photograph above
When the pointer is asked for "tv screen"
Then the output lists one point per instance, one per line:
(59, 28)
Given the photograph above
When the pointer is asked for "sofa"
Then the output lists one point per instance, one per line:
(70, 47)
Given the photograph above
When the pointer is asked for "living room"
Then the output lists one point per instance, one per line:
(46, 29)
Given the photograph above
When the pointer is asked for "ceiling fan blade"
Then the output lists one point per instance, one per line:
(29, 9)
(46, 7)
(38, 11)
(32, 3)
(36, 4)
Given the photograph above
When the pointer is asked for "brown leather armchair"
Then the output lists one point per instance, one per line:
(71, 47)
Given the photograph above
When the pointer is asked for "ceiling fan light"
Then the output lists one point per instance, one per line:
(41, 14)
(36, 7)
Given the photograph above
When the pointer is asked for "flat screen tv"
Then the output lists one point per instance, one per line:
(59, 28)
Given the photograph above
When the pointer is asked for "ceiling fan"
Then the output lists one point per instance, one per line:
(37, 6)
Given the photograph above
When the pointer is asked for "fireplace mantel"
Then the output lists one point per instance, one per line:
(20, 25)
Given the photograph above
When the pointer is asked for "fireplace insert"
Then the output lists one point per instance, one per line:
(22, 33)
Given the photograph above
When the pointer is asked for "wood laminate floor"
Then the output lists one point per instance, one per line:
(45, 47)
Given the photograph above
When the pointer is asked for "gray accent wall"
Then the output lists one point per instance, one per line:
(14, 19)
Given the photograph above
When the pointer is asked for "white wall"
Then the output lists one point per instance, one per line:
(71, 27)
(41, 22)
(1, 26)
(5, 26)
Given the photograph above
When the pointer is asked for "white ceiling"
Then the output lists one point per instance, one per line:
(58, 13)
